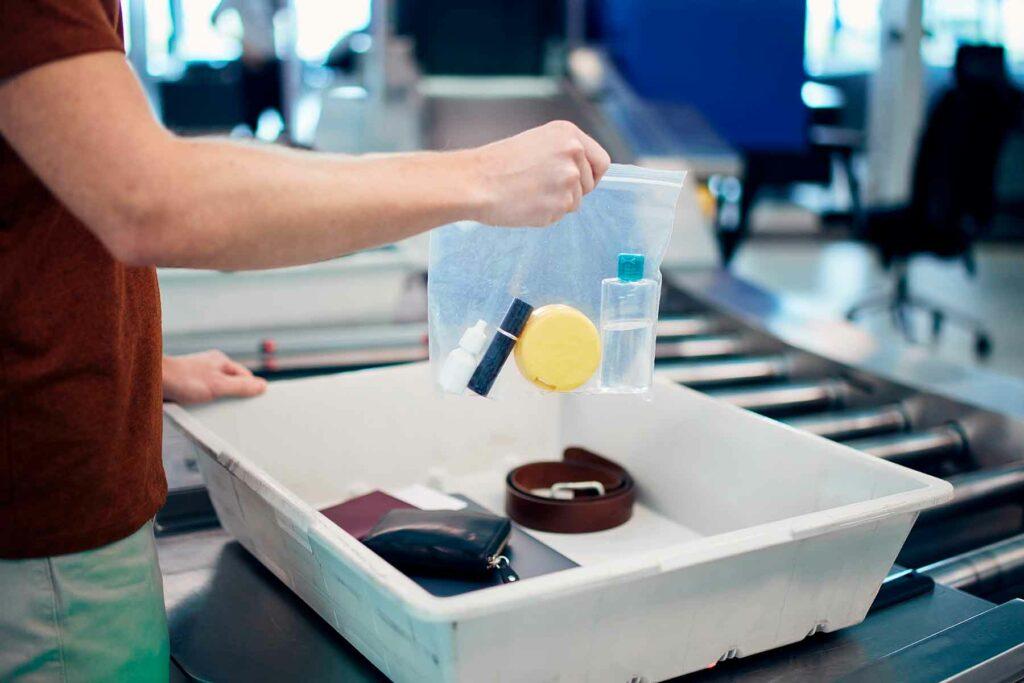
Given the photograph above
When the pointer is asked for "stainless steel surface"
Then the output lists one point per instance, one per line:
(854, 423)
(231, 619)
(987, 648)
(718, 373)
(803, 396)
(688, 325)
(704, 347)
(980, 490)
(915, 448)
(982, 571)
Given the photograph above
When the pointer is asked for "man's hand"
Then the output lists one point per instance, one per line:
(202, 377)
(536, 177)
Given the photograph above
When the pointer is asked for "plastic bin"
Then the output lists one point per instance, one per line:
(748, 534)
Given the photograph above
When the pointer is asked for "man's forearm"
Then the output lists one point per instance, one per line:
(231, 205)
(85, 128)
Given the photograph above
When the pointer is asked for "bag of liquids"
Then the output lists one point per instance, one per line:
(571, 307)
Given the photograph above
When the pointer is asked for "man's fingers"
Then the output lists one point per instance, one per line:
(239, 385)
(596, 156)
(587, 180)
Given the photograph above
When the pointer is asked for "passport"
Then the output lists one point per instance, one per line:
(358, 515)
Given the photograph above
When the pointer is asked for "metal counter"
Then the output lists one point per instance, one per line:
(231, 619)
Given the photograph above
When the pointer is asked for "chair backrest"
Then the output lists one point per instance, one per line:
(953, 195)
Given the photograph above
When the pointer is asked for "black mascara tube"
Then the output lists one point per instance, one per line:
(500, 347)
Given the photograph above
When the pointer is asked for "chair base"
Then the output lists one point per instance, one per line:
(901, 304)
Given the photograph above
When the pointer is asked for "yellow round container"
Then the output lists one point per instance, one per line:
(559, 349)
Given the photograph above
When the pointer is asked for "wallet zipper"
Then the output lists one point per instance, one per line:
(501, 564)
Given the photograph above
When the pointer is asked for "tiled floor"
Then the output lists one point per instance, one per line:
(830, 276)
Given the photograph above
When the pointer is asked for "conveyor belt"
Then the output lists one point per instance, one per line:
(980, 490)
(789, 398)
(983, 571)
(747, 370)
(851, 424)
(915, 449)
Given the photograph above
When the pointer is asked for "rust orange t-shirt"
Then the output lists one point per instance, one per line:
(80, 347)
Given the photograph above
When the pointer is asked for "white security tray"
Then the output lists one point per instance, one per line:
(748, 534)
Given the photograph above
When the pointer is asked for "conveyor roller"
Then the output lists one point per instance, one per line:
(789, 398)
(916, 448)
(722, 372)
(854, 423)
(980, 490)
(986, 570)
(703, 347)
(688, 326)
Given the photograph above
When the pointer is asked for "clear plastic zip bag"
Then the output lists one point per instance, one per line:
(571, 307)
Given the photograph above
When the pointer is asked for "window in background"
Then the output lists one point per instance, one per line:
(996, 22)
(198, 39)
(180, 31)
(842, 36)
(319, 25)
(1012, 26)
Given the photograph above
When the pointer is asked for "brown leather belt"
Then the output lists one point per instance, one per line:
(582, 492)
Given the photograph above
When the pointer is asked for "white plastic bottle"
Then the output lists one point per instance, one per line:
(628, 310)
(462, 361)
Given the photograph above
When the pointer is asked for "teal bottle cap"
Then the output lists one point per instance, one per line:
(631, 267)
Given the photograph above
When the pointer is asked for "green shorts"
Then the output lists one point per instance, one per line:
(91, 616)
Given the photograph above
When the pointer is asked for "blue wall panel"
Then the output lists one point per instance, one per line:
(741, 62)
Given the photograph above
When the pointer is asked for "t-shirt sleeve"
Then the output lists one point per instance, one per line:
(34, 32)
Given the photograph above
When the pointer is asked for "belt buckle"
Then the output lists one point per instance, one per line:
(566, 490)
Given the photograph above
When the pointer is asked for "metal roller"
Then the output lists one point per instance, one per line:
(985, 570)
(688, 326)
(854, 423)
(983, 489)
(703, 347)
(916, 448)
(722, 372)
(789, 398)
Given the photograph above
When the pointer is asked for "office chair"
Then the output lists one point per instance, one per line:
(952, 200)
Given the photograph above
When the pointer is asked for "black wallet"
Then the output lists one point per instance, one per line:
(443, 543)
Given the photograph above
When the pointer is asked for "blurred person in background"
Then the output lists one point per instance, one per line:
(262, 81)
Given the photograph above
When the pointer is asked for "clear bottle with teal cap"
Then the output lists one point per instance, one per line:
(629, 304)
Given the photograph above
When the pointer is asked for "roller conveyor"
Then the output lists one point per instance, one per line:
(724, 372)
(688, 326)
(915, 449)
(983, 571)
(789, 398)
(713, 346)
(737, 347)
(855, 423)
(984, 489)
